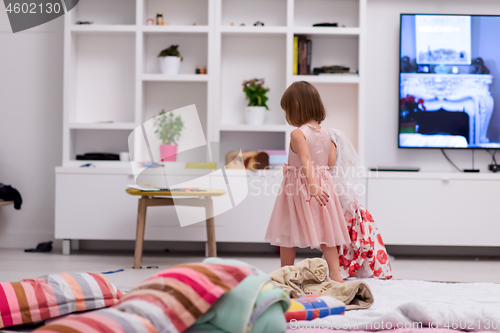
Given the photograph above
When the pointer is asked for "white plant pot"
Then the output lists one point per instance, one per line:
(255, 115)
(170, 65)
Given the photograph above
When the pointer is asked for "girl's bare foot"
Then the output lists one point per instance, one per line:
(337, 278)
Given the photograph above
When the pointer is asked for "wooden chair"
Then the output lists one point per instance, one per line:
(164, 198)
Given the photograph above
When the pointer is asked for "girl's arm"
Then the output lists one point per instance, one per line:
(332, 157)
(299, 146)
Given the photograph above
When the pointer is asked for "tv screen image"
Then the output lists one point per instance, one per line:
(449, 97)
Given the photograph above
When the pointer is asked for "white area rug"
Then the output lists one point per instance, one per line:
(414, 304)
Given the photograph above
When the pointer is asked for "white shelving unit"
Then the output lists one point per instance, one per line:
(245, 52)
(113, 81)
(113, 84)
(112, 77)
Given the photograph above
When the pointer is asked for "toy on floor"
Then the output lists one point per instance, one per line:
(309, 307)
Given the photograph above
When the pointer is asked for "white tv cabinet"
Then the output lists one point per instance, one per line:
(435, 209)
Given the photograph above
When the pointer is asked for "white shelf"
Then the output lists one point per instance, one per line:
(253, 128)
(103, 126)
(326, 31)
(117, 167)
(103, 28)
(175, 28)
(250, 30)
(444, 176)
(334, 78)
(175, 78)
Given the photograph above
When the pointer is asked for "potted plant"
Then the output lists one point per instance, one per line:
(168, 128)
(255, 112)
(170, 60)
(409, 110)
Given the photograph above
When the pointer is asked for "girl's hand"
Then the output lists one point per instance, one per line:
(283, 171)
(317, 192)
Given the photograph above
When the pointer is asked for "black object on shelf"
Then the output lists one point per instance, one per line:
(325, 24)
(259, 23)
(98, 157)
(330, 69)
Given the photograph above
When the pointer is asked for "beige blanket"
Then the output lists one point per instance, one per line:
(310, 277)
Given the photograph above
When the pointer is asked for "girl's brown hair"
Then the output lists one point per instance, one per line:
(302, 103)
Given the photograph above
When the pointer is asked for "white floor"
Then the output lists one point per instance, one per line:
(16, 265)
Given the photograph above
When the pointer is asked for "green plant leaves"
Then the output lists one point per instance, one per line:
(171, 51)
(168, 128)
(255, 92)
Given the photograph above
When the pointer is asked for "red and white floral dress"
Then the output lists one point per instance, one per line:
(365, 256)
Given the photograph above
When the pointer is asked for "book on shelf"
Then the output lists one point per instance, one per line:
(276, 157)
(309, 56)
(303, 56)
(146, 188)
(201, 165)
(295, 55)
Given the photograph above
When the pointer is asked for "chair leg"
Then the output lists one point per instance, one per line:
(139, 235)
(209, 211)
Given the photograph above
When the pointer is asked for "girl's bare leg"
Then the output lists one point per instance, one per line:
(332, 258)
(287, 255)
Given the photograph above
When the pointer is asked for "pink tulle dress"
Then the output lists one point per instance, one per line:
(296, 222)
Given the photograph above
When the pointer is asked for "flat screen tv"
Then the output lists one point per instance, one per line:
(449, 96)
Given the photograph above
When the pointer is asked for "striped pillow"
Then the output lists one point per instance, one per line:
(170, 301)
(33, 300)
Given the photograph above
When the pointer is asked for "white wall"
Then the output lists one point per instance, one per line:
(382, 66)
(31, 83)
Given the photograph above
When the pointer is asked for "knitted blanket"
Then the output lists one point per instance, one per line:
(310, 276)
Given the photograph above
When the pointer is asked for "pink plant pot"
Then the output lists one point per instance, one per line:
(168, 153)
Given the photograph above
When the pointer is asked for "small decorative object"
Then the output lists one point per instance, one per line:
(168, 128)
(325, 24)
(255, 113)
(478, 67)
(258, 23)
(455, 70)
(441, 69)
(242, 24)
(194, 23)
(252, 160)
(197, 70)
(166, 23)
(232, 23)
(423, 69)
(84, 22)
(124, 156)
(150, 22)
(203, 70)
(335, 69)
(159, 19)
(407, 66)
(170, 60)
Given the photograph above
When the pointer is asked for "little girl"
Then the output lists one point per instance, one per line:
(307, 212)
